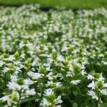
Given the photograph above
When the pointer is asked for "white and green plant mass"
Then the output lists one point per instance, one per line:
(54, 58)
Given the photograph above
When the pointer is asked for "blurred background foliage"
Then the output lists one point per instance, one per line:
(59, 3)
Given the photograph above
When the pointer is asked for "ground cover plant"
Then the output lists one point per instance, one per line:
(56, 58)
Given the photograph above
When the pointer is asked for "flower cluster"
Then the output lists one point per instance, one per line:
(56, 58)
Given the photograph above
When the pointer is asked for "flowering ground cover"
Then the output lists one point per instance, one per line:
(56, 58)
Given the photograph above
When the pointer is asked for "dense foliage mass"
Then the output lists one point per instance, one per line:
(56, 58)
(59, 3)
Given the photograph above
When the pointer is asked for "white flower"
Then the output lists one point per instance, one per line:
(92, 85)
(5, 98)
(93, 94)
(60, 58)
(75, 62)
(30, 45)
(58, 84)
(21, 45)
(34, 75)
(34, 63)
(22, 55)
(60, 76)
(104, 91)
(13, 86)
(47, 64)
(25, 87)
(28, 82)
(58, 100)
(1, 63)
(58, 105)
(49, 83)
(101, 78)
(6, 69)
(105, 85)
(64, 49)
(90, 77)
(3, 43)
(14, 78)
(31, 92)
(11, 58)
(75, 82)
(104, 62)
(50, 76)
(69, 74)
(83, 72)
(45, 103)
(48, 92)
